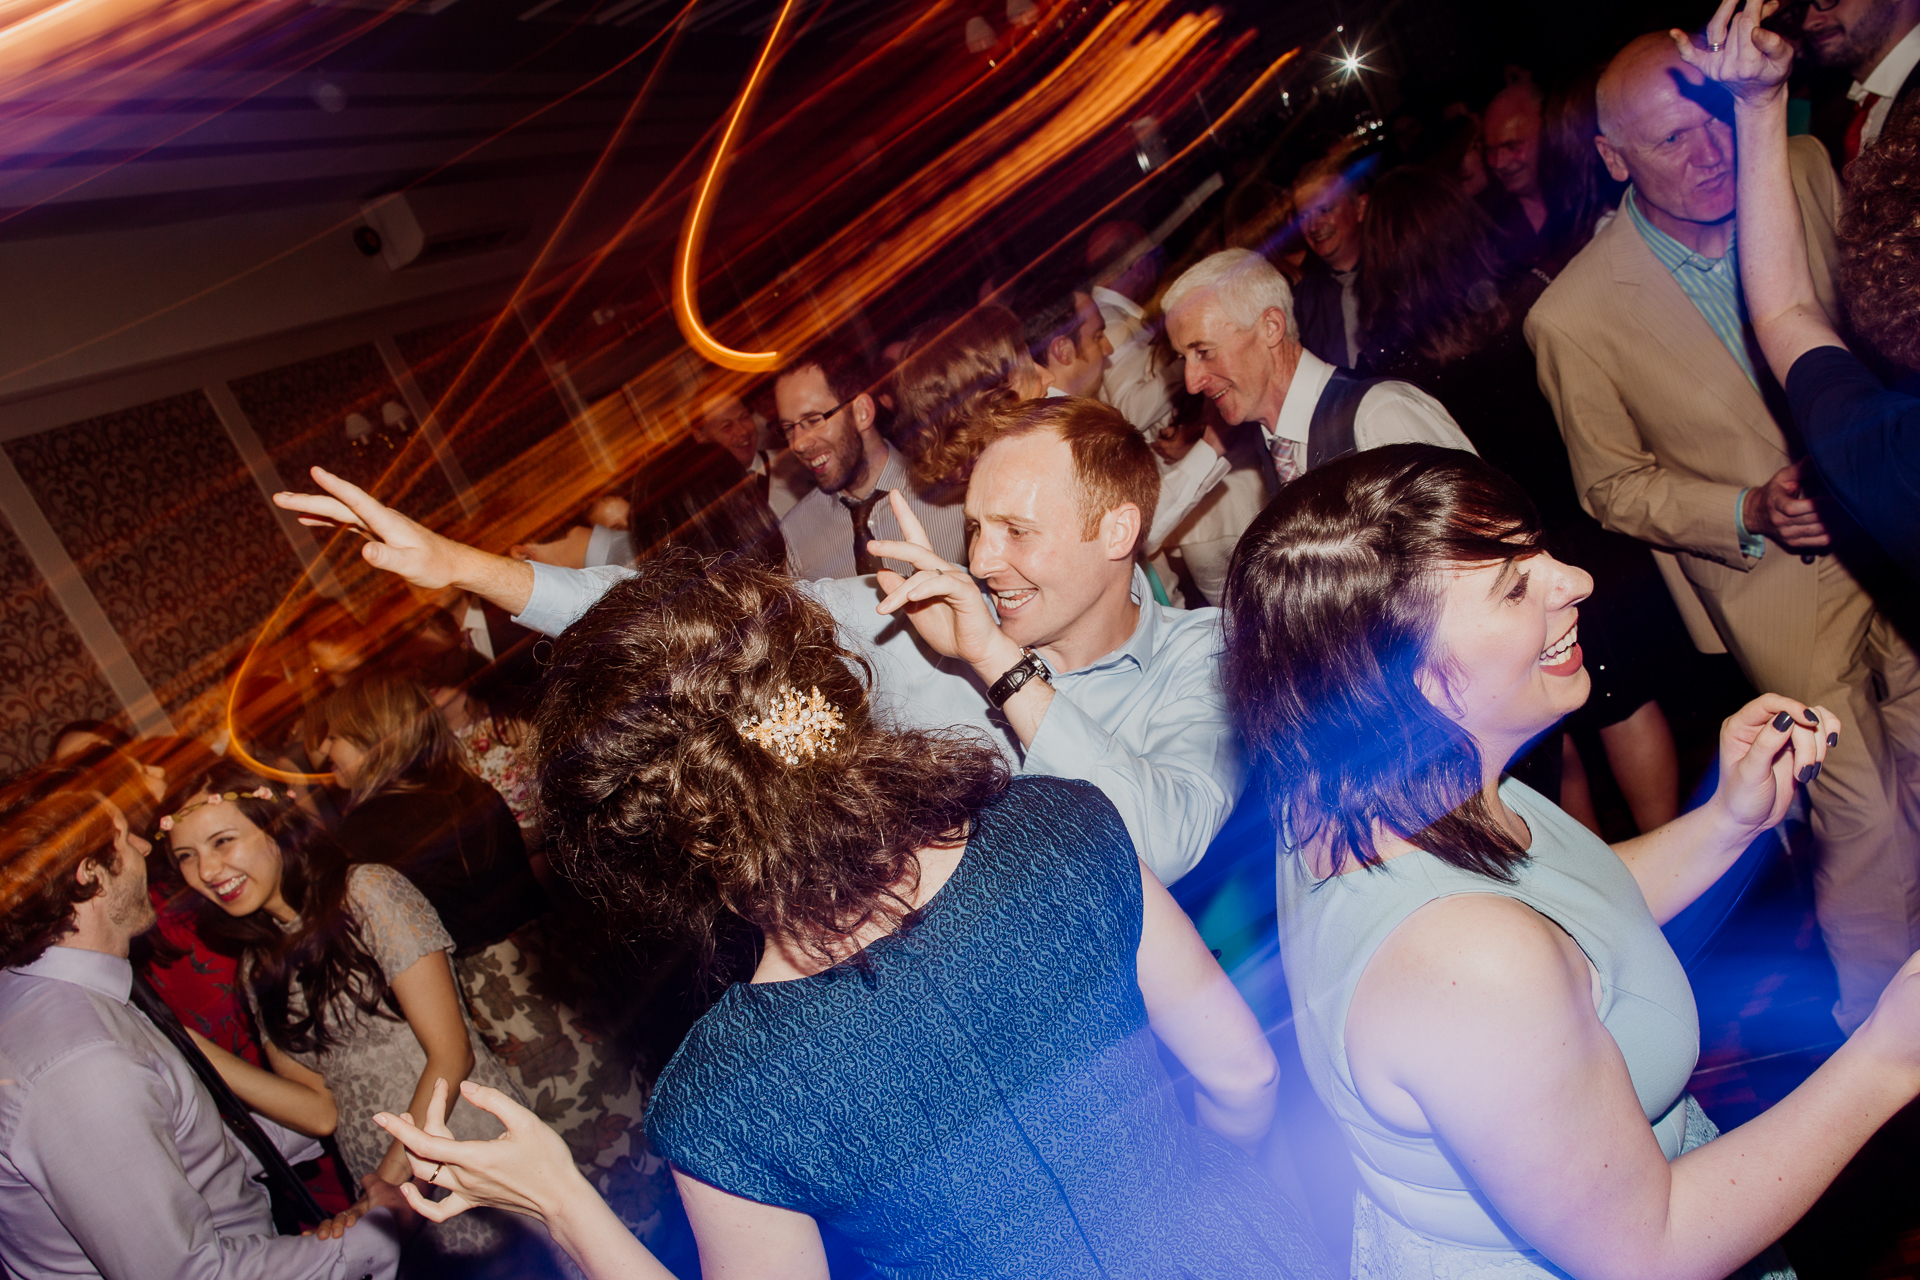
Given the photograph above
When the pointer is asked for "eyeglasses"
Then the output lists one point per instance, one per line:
(808, 421)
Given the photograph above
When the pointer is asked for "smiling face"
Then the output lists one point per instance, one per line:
(1028, 543)
(1076, 365)
(1678, 155)
(1330, 217)
(726, 421)
(833, 447)
(228, 860)
(1513, 140)
(1508, 649)
(1240, 369)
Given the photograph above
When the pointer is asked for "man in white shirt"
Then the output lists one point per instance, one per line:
(113, 1158)
(1126, 270)
(1230, 316)
(1067, 338)
(1879, 42)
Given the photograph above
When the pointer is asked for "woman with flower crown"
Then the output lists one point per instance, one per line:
(346, 969)
(949, 1050)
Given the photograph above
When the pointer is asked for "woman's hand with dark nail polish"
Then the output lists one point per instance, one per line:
(1811, 717)
(1783, 721)
(1833, 739)
(1808, 774)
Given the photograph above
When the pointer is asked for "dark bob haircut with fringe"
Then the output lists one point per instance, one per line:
(1332, 600)
(668, 817)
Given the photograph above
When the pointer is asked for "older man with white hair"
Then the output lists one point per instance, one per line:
(1230, 317)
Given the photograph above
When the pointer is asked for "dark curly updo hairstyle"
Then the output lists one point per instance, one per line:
(1880, 239)
(324, 954)
(1332, 599)
(664, 813)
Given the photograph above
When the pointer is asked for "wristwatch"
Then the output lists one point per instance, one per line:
(1030, 665)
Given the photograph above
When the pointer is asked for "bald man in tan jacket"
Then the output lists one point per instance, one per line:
(1642, 351)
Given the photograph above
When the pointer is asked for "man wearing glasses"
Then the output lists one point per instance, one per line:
(831, 422)
(1879, 42)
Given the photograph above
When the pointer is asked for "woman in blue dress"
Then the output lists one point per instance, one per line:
(948, 1049)
(1483, 996)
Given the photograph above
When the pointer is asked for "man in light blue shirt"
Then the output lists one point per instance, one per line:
(113, 1158)
(1057, 651)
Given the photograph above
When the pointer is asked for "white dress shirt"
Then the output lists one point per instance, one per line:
(1390, 413)
(1886, 80)
(113, 1158)
(1135, 383)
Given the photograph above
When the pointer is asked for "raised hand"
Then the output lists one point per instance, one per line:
(527, 1170)
(1765, 748)
(941, 599)
(394, 543)
(1751, 61)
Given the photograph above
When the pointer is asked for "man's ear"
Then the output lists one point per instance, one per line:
(1611, 157)
(1120, 531)
(1360, 208)
(1273, 327)
(1061, 353)
(863, 413)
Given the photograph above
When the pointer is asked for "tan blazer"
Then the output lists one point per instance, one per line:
(1664, 429)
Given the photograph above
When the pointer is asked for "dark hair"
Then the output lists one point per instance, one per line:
(847, 372)
(1056, 313)
(1331, 603)
(45, 838)
(693, 495)
(662, 811)
(111, 734)
(324, 953)
(1880, 239)
(1429, 274)
(1573, 178)
(947, 377)
(1111, 459)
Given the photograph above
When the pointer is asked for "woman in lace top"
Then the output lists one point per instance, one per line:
(346, 969)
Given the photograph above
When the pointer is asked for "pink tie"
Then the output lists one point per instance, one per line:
(1286, 460)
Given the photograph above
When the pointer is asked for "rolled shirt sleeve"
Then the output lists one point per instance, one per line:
(96, 1142)
(1170, 762)
(560, 597)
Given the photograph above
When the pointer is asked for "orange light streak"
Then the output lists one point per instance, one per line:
(686, 280)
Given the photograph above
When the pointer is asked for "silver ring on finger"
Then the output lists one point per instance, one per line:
(1715, 48)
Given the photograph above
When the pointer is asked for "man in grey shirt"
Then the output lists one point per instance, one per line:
(830, 419)
(113, 1158)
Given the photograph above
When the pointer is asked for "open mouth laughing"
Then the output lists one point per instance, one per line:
(1562, 657)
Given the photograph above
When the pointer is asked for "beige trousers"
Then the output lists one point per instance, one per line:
(1866, 802)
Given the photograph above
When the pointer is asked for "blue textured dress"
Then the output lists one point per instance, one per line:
(988, 1101)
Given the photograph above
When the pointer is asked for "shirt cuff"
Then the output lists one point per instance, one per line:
(608, 546)
(1752, 545)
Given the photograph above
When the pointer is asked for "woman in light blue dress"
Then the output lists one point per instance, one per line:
(1483, 996)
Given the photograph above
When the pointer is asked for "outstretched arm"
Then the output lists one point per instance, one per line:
(409, 549)
(1753, 63)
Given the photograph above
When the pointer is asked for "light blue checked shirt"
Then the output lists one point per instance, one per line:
(1714, 286)
(1147, 723)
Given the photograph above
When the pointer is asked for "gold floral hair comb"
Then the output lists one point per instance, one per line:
(258, 793)
(795, 726)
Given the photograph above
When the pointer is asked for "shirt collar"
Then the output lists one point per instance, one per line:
(1055, 393)
(1310, 378)
(893, 475)
(1672, 254)
(1893, 69)
(95, 970)
(1105, 297)
(1140, 645)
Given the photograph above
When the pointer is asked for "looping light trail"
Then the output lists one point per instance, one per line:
(686, 262)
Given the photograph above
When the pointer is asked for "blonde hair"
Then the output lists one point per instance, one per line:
(407, 742)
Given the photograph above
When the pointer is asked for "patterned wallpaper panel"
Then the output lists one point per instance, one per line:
(299, 411)
(47, 677)
(504, 406)
(171, 535)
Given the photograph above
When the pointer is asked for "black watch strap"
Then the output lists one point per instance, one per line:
(1030, 665)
